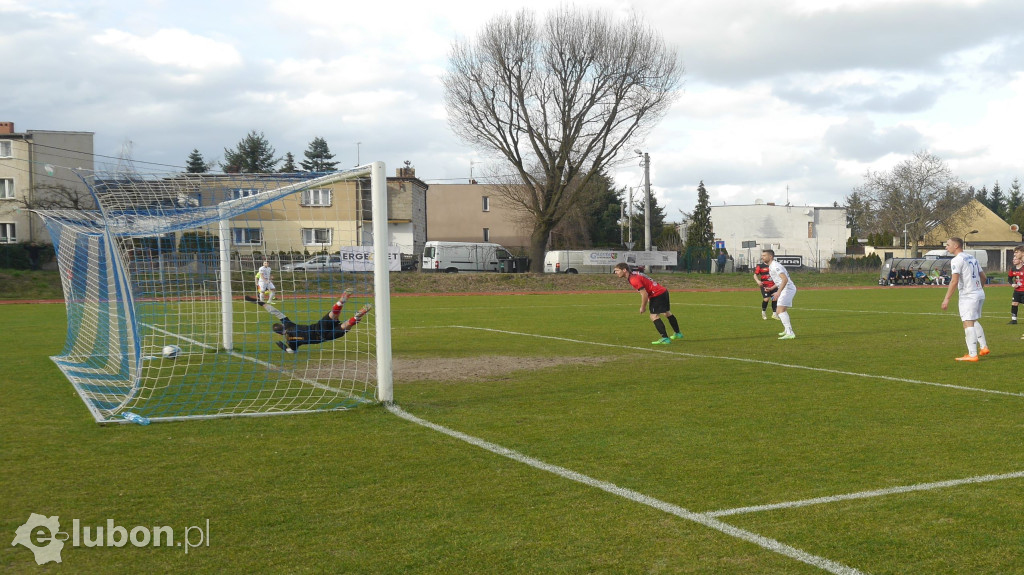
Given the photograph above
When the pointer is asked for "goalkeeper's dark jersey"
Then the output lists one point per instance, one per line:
(324, 330)
(1017, 279)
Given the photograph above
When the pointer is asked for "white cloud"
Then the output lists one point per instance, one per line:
(173, 47)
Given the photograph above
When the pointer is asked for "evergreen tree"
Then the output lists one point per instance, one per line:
(318, 157)
(1016, 198)
(253, 155)
(700, 237)
(289, 164)
(997, 201)
(196, 164)
(657, 222)
(858, 215)
(982, 196)
(1017, 217)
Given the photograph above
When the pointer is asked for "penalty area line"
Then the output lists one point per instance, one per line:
(867, 494)
(746, 360)
(635, 496)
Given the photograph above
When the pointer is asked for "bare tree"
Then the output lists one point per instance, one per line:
(57, 197)
(558, 101)
(916, 195)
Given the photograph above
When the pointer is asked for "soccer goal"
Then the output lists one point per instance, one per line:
(167, 320)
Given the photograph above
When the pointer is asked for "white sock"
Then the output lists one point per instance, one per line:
(979, 335)
(972, 341)
(784, 316)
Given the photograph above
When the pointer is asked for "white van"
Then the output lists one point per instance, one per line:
(451, 257)
(980, 255)
(603, 261)
(582, 261)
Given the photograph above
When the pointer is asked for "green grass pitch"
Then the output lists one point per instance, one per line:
(768, 437)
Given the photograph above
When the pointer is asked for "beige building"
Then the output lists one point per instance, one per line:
(474, 213)
(980, 228)
(33, 165)
(323, 219)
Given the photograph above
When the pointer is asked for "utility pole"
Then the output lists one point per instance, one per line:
(645, 161)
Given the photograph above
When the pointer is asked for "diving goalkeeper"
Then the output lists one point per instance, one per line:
(328, 328)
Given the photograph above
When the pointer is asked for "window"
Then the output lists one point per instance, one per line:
(487, 234)
(317, 197)
(6, 189)
(316, 236)
(487, 204)
(238, 193)
(246, 236)
(7, 235)
(810, 229)
(5, 149)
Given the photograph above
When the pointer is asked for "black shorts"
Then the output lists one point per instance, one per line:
(1018, 296)
(658, 304)
(765, 293)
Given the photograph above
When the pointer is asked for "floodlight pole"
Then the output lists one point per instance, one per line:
(646, 163)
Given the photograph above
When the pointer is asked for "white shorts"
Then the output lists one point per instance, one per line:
(265, 285)
(970, 308)
(786, 296)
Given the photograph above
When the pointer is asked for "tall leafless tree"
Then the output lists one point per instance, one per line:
(557, 101)
(916, 195)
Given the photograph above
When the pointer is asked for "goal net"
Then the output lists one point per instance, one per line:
(168, 320)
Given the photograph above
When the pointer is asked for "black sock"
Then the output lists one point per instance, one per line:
(764, 306)
(660, 326)
(1013, 311)
(672, 322)
(775, 306)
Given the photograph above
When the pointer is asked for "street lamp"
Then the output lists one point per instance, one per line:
(965, 237)
(645, 161)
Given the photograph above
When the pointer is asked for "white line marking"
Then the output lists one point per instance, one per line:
(867, 494)
(700, 518)
(748, 360)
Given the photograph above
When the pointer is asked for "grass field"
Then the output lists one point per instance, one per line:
(727, 452)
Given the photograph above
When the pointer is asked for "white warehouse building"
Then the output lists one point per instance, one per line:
(809, 235)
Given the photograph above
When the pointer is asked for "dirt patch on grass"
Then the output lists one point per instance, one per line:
(488, 367)
(444, 369)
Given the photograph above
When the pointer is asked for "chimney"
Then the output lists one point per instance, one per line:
(6, 127)
(407, 172)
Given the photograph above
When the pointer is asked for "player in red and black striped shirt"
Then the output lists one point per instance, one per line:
(764, 281)
(653, 298)
(1016, 275)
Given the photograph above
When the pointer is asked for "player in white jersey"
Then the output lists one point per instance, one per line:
(784, 294)
(969, 279)
(264, 285)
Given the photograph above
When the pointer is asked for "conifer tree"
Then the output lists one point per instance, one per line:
(253, 155)
(318, 157)
(289, 164)
(195, 163)
(700, 236)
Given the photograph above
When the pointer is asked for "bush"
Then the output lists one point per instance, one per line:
(25, 256)
(849, 264)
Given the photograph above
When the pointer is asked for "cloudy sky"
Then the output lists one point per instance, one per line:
(783, 99)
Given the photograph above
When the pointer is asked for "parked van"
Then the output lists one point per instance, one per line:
(603, 261)
(980, 255)
(582, 261)
(451, 257)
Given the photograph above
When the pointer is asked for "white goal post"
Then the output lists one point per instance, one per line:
(215, 295)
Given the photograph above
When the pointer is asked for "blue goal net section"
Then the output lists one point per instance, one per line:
(195, 296)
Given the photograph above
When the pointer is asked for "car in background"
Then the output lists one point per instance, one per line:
(324, 263)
